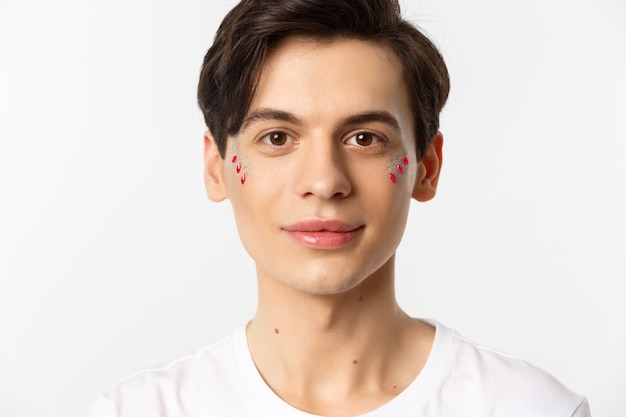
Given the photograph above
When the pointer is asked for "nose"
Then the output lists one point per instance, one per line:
(323, 172)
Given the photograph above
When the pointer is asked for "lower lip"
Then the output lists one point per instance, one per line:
(325, 239)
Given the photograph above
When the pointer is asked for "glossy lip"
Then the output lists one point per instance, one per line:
(323, 234)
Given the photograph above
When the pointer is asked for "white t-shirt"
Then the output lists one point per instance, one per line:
(459, 378)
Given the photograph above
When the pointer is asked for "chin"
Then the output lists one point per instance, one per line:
(326, 286)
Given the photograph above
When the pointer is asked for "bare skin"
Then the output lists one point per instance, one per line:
(328, 337)
(341, 355)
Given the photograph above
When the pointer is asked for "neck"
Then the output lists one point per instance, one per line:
(327, 354)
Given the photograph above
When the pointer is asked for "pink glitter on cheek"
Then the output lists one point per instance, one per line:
(398, 168)
(238, 168)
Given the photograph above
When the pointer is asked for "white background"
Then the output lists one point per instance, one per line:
(112, 259)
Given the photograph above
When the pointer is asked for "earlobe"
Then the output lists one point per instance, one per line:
(213, 170)
(428, 170)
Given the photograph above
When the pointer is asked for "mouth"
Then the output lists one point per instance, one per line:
(323, 234)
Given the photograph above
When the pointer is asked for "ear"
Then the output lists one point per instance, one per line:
(213, 170)
(428, 170)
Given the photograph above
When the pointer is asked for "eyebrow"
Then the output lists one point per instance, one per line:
(264, 114)
(373, 117)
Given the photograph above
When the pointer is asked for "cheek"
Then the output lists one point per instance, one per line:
(257, 204)
(254, 184)
(250, 171)
(398, 168)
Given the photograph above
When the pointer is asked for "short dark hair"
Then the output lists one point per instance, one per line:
(232, 65)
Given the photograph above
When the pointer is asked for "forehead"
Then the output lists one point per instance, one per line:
(317, 78)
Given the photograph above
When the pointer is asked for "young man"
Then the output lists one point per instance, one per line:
(323, 124)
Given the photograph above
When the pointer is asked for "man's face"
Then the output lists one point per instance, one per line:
(321, 174)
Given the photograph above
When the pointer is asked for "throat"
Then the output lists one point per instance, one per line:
(340, 368)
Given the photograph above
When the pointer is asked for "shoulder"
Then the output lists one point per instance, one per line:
(164, 389)
(502, 384)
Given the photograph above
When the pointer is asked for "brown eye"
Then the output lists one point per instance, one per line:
(277, 138)
(364, 139)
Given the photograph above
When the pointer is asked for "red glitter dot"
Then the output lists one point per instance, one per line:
(234, 158)
(392, 177)
(400, 170)
(238, 168)
(405, 160)
(243, 178)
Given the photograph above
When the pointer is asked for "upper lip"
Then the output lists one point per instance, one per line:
(320, 225)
